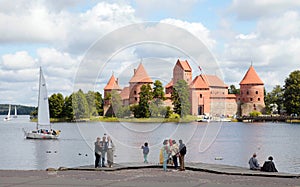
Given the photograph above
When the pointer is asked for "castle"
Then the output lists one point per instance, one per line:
(208, 93)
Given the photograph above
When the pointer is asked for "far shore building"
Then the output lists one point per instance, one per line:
(208, 93)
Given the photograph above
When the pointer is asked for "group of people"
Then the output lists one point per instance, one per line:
(172, 151)
(169, 153)
(103, 148)
(268, 166)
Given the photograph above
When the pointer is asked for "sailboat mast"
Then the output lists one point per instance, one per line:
(40, 79)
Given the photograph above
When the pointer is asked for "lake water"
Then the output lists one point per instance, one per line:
(233, 142)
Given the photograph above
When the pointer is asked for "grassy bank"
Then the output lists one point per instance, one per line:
(186, 119)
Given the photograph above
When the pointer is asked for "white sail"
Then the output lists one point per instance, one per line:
(43, 105)
(15, 112)
(8, 115)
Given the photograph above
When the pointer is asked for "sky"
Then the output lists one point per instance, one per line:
(80, 43)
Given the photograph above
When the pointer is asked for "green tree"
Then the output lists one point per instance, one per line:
(99, 103)
(116, 103)
(145, 98)
(233, 90)
(274, 97)
(180, 98)
(68, 112)
(292, 93)
(90, 97)
(56, 103)
(158, 95)
(80, 105)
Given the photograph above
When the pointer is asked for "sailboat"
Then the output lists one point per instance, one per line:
(15, 116)
(43, 115)
(7, 118)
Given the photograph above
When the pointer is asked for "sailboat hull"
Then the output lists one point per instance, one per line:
(36, 135)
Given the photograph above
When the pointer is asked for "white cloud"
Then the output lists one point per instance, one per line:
(19, 60)
(196, 28)
(274, 49)
(247, 10)
(174, 9)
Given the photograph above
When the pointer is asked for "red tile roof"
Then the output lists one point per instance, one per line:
(214, 81)
(199, 82)
(140, 75)
(112, 84)
(251, 77)
(205, 81)
(184, 65)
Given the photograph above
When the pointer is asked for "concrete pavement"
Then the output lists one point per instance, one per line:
(148, 175)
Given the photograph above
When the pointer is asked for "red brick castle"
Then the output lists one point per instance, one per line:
(208, 93)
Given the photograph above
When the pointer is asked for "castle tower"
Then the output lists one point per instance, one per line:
(139, 78)
(110, 86)
(251, 93)
(182, 70)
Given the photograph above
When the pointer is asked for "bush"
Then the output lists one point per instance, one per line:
(255, 113)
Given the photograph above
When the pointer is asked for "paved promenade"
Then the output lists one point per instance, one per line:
(150, 175)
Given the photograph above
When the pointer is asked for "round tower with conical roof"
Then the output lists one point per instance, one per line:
(251, 93)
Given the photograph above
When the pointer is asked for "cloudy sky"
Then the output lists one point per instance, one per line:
(64, 36)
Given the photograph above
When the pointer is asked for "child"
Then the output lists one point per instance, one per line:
(145, 151)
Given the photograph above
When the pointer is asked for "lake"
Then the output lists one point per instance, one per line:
(234, 143)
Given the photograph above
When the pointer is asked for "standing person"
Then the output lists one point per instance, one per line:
(174, 153)
(145, 151)
(110, 152)
(269, 165)
(182, 152)
(166, 154)
(103, 145)
(253, 163)
(97, 152)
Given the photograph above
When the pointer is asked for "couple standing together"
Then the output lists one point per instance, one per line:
(103, 147)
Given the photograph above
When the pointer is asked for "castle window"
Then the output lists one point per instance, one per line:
(241, 92)
(256, 92)
(258, 99)
(247, 92)
(135, 98)
(251, 99)
(200, 95)
(134, 92)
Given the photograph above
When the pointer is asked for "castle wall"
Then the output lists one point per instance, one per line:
(200, 101)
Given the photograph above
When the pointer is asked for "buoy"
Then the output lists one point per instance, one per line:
(79, 153)
(86, 154)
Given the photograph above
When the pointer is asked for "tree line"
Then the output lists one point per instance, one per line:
(281, 100)
(75, 106)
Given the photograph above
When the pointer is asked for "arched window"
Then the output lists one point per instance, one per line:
(258, 99)
(134, 92)
(200, 95)
(256, 92)
(251, 99)
(247, 92)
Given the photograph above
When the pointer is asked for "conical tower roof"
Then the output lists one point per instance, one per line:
(112, 84)
(184, 65)
(251, 77)
(140, 75)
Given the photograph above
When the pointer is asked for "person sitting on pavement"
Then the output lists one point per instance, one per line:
(269, 165)
(253, 163)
